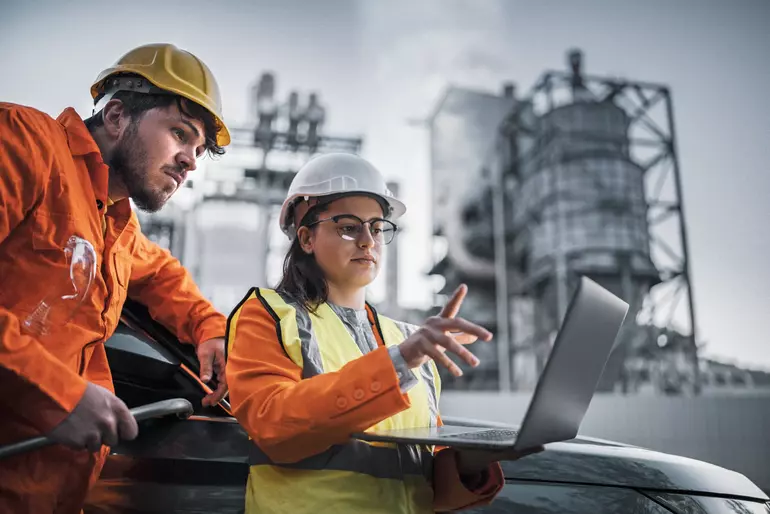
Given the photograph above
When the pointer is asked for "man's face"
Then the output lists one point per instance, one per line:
(154, 154)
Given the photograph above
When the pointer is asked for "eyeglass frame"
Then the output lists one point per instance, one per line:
(335, 219)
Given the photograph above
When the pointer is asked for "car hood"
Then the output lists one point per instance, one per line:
(598, 462)
(592, 461)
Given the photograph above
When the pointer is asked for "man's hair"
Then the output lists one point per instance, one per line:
(137, 104)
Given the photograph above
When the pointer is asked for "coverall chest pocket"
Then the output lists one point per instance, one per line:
(60, 274)
(121, 269)
(50, 233)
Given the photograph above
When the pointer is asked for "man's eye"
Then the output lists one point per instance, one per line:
(180, 134)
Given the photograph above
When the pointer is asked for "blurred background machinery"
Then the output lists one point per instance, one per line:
(578, 177)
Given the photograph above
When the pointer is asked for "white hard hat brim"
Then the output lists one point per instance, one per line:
(398, 208)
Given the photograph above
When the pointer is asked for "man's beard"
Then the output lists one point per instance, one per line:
(129, 162)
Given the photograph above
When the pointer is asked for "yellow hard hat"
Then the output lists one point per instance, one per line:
(171, 69)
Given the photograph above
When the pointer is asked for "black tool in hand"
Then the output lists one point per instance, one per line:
(178, 406)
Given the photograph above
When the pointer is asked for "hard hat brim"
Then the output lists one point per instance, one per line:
(398, 208)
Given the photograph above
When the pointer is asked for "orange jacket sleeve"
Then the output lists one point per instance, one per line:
(291, 418)
(449, 490)
(36, 386)
(160, 282)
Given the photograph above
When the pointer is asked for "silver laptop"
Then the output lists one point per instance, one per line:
(563, 392)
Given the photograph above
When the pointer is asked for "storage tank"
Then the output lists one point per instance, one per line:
(580, 208)
(582, 196)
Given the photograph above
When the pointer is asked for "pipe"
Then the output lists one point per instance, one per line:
(454, 229)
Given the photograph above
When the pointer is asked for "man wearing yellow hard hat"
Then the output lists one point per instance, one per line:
(71, 251)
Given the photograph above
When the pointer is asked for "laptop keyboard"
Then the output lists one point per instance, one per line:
(487, 435)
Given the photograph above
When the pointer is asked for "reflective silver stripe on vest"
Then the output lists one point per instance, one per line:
(426, 371)
(312, 364)
(427, 375)
(360, 457)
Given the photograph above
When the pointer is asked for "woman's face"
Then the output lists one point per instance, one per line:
(348, 255)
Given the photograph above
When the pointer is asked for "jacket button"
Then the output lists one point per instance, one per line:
(342, 402)
(358, 394)
(376, 386)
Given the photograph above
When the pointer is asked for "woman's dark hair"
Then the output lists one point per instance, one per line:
(303, 279)
(137, 104)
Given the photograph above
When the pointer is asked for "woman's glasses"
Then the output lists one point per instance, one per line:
(350, 227)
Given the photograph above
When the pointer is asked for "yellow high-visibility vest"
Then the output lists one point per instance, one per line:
(356, 477)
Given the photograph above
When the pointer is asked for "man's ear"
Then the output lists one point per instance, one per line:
(114, 116)
(305, 239)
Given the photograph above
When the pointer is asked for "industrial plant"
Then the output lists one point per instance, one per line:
(577, 175)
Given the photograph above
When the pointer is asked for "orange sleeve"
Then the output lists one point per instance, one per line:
(291, 418)
(160, 282)
(36, 386)
(449, 490)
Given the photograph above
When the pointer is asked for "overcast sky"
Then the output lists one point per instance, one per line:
(378, 63)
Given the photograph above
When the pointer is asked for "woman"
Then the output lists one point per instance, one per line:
(311, 363)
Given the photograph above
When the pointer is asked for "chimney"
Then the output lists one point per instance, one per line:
(509, 90)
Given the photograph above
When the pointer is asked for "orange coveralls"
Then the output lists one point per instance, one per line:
(53, 184)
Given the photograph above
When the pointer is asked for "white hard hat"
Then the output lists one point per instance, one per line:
(335, 174)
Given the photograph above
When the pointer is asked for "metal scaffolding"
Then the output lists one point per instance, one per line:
(650, 144)
(578, 177)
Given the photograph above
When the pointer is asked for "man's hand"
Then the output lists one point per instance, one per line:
(472, 462)
(211, 355)
(99, 418)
